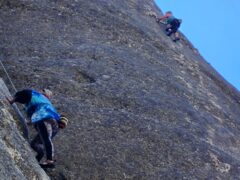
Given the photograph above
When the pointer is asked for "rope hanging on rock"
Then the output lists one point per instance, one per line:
(15, 107)
(14, 88)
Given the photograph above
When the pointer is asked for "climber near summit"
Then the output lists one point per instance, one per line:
(172, 24)
(45, 119)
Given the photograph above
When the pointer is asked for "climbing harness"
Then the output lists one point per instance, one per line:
(15, 107)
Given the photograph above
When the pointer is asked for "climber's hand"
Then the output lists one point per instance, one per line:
(10, 100)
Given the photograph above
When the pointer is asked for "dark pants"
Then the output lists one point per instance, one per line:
(172, 27)
(46, 129)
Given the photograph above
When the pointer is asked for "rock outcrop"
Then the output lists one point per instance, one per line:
(140, 105)
(17, 160)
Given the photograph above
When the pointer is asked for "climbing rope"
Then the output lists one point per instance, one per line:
(8, 76)
(14, 106)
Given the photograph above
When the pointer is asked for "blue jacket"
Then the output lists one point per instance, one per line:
(40, 108)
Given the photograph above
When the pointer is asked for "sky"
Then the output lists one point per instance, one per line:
(213, 26)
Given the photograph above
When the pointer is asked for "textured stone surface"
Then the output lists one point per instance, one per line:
(141, 106)
(17, 160)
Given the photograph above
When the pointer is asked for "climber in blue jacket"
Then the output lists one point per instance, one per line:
(45, 119)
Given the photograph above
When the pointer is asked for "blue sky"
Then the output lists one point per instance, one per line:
(213, 26)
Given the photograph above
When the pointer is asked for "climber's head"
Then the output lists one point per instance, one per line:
(47, 93)
(168, 13)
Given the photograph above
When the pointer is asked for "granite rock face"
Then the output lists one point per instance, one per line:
(140, 106)
(17, 160)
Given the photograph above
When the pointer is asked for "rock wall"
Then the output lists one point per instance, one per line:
(17, 159)
(140, 106)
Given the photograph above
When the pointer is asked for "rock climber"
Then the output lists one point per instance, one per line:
(167, 18)
(172, 24)
(45, 119)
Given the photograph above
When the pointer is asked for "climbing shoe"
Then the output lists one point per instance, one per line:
(169, 33)
(176, 39)
(47, 165)
(39, 156)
